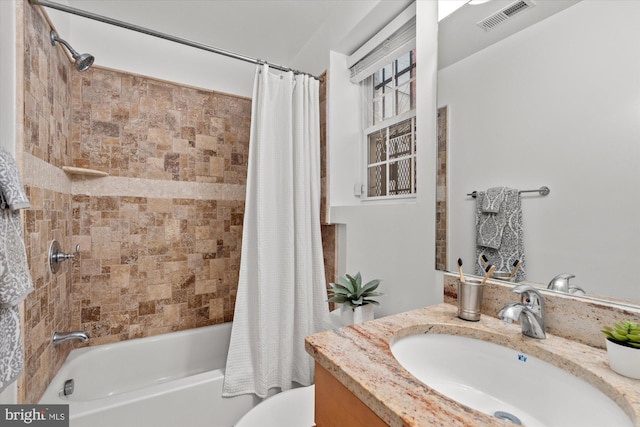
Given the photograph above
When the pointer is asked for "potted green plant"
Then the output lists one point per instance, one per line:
(623, 348)
(355, 299)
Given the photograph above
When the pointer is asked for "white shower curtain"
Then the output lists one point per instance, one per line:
(281, 290)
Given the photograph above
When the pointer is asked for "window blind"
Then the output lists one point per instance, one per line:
(395, 39)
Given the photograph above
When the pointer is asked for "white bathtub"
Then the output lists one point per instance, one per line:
(171, 380)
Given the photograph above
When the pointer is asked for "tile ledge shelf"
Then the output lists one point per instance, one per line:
(83, 172)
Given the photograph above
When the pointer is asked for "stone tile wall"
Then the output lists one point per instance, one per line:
(133, 126)
(441, 190)
(160, 238)
(43, 88)
(153, 265)
(324, 158)
(329, 231)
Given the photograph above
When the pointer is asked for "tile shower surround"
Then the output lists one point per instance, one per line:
(160, 237)
(43, 89)
(156, 264)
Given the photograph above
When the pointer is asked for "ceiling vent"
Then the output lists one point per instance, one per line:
(505, 14)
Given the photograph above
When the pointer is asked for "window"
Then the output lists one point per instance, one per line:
(390, 129)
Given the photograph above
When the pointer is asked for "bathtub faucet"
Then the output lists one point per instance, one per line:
(60, 337)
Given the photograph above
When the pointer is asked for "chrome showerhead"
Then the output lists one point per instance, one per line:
(82, 61)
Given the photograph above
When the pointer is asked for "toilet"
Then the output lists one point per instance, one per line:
(291, 408)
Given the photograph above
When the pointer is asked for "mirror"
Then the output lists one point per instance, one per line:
(557, 104)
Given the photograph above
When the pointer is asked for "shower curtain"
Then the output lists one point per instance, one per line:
(281, 290)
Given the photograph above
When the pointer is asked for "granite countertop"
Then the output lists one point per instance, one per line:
(360, 358)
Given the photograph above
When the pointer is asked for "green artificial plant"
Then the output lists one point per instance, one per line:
(350, 291)
(625, 333)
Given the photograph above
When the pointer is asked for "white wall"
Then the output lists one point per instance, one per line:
(8, 112)
(345, 130)
(129, 51)
(8, 75)
(557, 104)
(393, 242)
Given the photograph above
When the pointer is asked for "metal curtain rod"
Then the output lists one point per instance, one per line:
(543, 191)
(164, 36)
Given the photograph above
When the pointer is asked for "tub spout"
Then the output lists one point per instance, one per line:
(60, 337)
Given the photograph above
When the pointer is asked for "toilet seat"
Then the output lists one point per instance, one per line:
(291, 408)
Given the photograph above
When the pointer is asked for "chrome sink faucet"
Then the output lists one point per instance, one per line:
(60, 337)
(530, 311)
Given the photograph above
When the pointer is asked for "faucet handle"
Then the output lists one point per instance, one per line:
(521, 289)
(56, 256)
(531, 297)
(561, 282)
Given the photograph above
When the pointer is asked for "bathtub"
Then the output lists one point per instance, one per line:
(170, 380)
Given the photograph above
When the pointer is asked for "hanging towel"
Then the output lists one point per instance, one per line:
(500, 235)
(489, 225)
(11, 191)
(11, 356)
(492, 200)
(15, 279)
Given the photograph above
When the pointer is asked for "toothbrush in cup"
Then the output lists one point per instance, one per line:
(516, 266)
(489, 271)
(483, 260)
(460, 270)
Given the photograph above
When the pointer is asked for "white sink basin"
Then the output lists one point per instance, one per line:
(495, 379)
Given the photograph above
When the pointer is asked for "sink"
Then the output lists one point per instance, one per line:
(505, 383)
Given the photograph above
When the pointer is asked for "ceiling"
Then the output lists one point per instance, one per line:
(459, 35)
(293, 33)
(278, 31)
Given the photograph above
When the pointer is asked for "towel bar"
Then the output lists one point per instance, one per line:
(543, 191)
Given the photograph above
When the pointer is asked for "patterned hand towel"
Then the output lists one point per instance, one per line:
(511, 244)
(12, 193)
(11, 353)
(489, 225)
(15, 279)
(492, 200)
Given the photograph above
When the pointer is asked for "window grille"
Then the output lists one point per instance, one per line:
(390, 129)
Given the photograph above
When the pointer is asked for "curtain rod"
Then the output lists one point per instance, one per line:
(164, 36)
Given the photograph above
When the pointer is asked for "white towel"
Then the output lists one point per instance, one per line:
(510, 246)
(11, 356)
(492, 200)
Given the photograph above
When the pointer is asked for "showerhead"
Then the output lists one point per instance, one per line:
(82, 61)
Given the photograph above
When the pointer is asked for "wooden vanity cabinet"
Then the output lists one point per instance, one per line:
(336, 406)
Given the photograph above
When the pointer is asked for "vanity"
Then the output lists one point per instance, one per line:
(359, 382)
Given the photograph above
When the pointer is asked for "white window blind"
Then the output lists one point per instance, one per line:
(395, 39)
